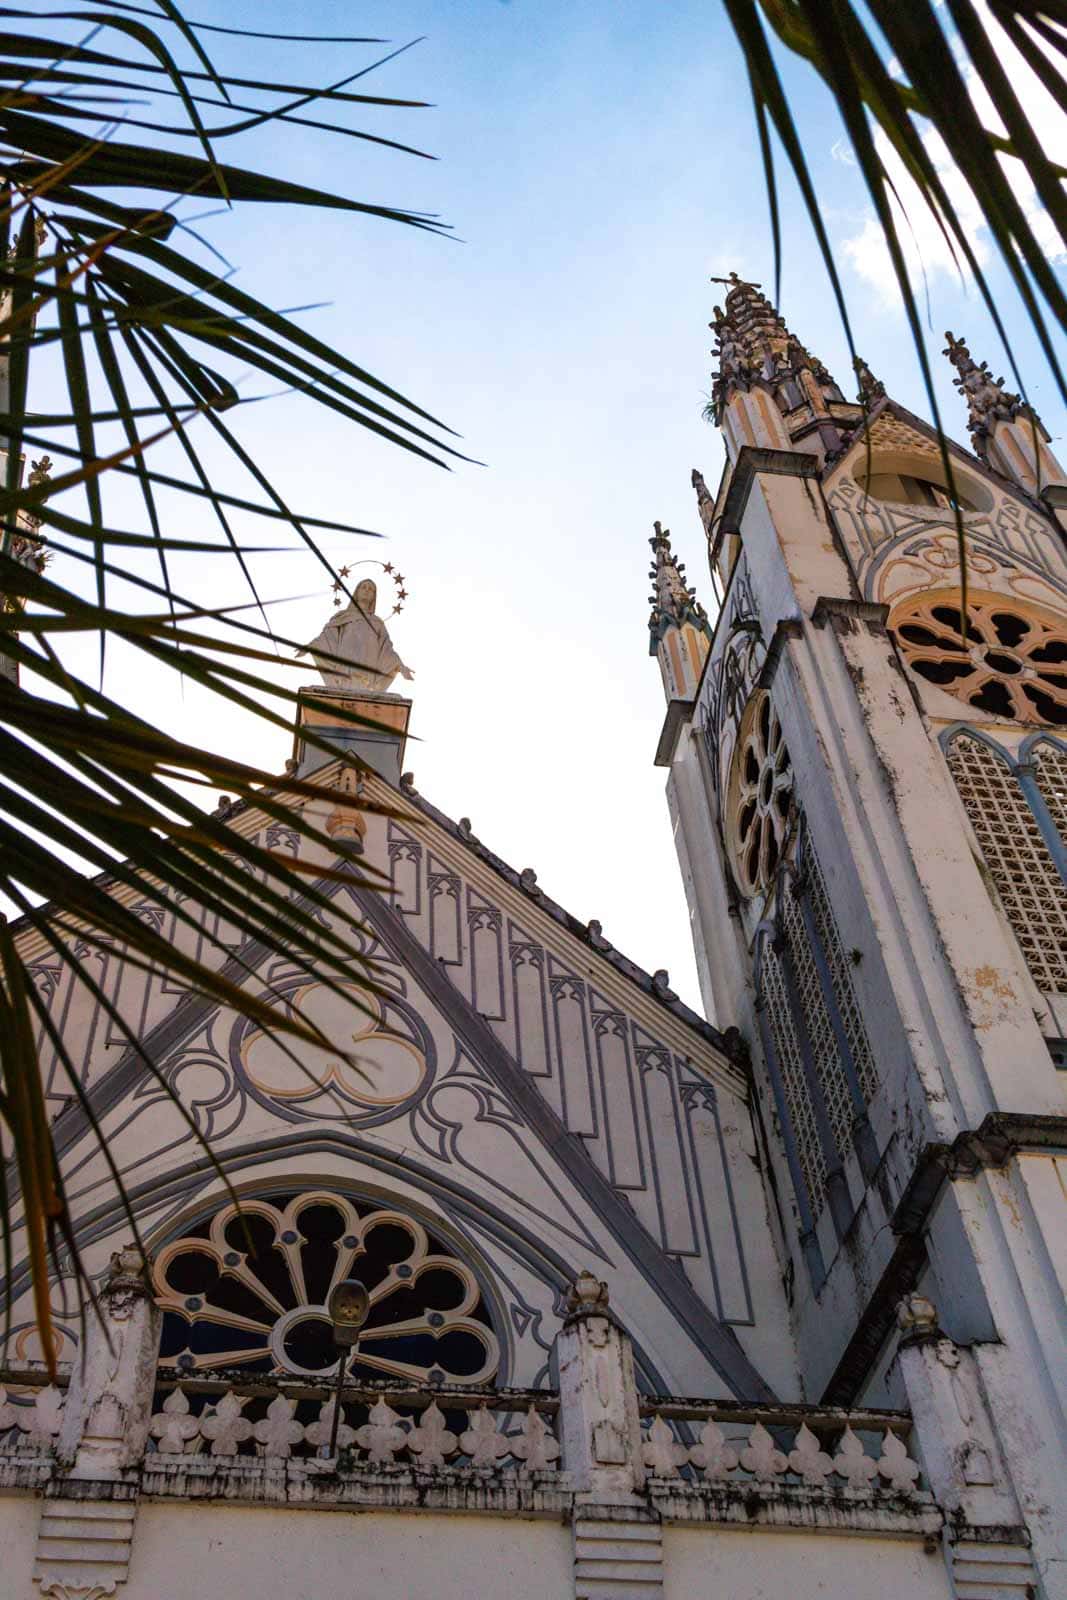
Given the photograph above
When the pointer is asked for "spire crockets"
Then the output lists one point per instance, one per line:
(769, 391)
(1005, 431)
(679, 631)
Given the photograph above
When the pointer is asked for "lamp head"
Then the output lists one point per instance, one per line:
(348, 1306)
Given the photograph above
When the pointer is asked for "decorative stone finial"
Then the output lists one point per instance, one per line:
(661, 985)
(988, 399)
(528, 881)
(917, 1316)
(595, 934)
(870, 387)
(672, 599)
(587, 1296)
(127, 1273)
(407, 782)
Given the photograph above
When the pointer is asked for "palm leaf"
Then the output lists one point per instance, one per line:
(97, 813)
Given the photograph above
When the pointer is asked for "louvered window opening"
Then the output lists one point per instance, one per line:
(1020, 863)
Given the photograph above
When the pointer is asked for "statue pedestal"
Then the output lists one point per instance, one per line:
(378, 737)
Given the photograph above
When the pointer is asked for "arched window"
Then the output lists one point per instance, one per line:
(1014, 837)
(248, 1288)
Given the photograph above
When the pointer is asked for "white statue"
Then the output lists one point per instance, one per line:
(361, 640)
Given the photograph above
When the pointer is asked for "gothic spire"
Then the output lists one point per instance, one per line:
(756, 351)
(870, 387)
(673, 602)
(678, 625)
(988, 399)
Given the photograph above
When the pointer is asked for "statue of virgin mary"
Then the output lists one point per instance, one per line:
(361, 641)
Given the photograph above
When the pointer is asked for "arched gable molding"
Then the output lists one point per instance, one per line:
(187, 1188)
(1040, 736)
(947, 735)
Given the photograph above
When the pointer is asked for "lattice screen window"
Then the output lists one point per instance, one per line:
(1029, 884)
(825, 1058)
(841, 976)
(794, 1084)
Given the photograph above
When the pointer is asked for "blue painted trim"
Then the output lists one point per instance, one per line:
(1023, 771)
(1026, 774)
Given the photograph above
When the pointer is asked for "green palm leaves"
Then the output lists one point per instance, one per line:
(95, 803)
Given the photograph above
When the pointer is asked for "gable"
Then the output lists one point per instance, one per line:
(513, 1080)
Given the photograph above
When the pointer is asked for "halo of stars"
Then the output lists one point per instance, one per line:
(400, 593)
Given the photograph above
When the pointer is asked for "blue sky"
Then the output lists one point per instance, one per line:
(599, 163)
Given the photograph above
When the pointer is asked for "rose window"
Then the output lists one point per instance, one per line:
(761, 791)
(249, 1287)
(1010, 661)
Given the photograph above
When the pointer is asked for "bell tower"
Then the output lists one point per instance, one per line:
(869, 794)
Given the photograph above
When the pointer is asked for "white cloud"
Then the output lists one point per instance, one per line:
(926, 249)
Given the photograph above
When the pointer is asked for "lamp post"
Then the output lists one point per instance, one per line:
(348, 1306)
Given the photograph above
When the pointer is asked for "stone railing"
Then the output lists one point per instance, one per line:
(116, 1429)
(779, 1445)
(229, 1415)
(31, 1409)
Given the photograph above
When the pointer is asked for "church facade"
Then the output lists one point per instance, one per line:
(658, 1307)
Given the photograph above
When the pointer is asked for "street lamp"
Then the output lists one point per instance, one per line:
(348, 1308)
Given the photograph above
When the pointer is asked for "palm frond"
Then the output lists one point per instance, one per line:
(98, 816)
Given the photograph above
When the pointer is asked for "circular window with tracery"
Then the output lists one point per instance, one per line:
(1009, 661)
(760, 797)
(248, 1288)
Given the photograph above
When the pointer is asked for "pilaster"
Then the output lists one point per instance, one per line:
(987, 1546)
(618, 1547)
(88, 1515)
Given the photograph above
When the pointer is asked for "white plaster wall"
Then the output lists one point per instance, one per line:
(706, 1564)
(190, 1552)
(19, 1516)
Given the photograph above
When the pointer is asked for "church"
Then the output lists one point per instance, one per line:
(539, 1284)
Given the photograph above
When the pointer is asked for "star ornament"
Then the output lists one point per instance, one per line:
(401, 594)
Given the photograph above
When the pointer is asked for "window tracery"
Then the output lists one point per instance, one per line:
(1010, 661)
(760, 795)
(1020, 863)
(248, 1288)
